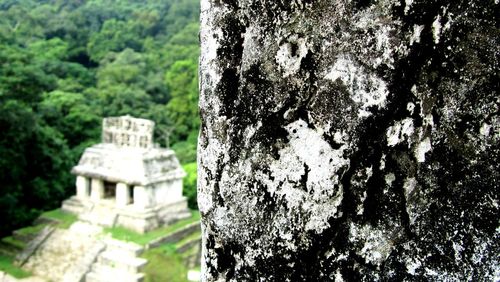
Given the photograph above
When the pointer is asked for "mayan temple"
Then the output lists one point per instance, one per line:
(126, 180)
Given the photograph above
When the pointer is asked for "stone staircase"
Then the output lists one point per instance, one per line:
(66, 255)
(33, 245)
(76, 206)
(119, 262)
(83, 253)
(100, 215)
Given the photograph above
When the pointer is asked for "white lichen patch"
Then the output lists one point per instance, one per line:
(377, 245)
(389, 178)
(400, 131)
(311, 159)
(338, 277)
(409, 186)
(412, 265)
(408, 6)
(210, 36)
(411, 192)
(458, 249)
(381, 52)
(436, 29)
(384, 47)
(221, 217)
(250, 132)
(362, 178)
(382, 162)
(410, 107)
(415, 36)
(251, 47)
(290, 55)
(209, 156)
(365, 89)
(449, 22)
(422, 148)
(361, 208)
(485, 129)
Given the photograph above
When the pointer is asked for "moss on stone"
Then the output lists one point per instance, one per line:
(124, 234)
(7, 266)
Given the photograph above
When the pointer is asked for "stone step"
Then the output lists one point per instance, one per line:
(107, 274)
(127, 248)
(100, 216)
(175, 236)
(9, 249)
(67, 254)
(85, 229)
(25, 238)
(33, 245)
(78, 271)
(174, 217)
(117, 260)
(188, 245)
(74, 205)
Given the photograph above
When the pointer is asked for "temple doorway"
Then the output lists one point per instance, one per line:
(109, 190)
(131, 195)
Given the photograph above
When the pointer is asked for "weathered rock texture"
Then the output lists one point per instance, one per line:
(354, 140)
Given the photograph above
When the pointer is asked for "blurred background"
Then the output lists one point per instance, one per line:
(66, 64)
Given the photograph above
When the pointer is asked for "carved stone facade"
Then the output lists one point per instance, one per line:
(128, 132)
(125, 181)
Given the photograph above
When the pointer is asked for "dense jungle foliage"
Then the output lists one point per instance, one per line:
(66, 64)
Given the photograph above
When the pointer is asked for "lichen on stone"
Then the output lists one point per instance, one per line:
(349, 140)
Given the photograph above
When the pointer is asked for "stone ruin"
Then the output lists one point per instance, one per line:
(126, 180)
(128, 132)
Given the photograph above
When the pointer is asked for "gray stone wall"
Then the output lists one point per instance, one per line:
(349, 140)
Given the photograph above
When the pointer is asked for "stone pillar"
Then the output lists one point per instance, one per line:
(96, 189)
(349, 140)
(142, 197)
(82, 187)
(122, 194)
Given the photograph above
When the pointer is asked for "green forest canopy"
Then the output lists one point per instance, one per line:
(66, 64)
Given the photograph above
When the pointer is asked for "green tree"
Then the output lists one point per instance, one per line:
(65, 64)
(182, 82)
(190, 184)
(114, 36)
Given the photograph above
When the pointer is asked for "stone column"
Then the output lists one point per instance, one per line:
(96, 189)
(122, 194)
(349, 140)
(82, 187)
(142, 197)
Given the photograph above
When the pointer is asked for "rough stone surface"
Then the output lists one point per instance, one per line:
(33, 245)
(349, 140)
(66, 255)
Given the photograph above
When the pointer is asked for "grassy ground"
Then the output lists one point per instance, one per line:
(65, 219)
(187, 239)
(7, 266)
(14, 242)
(124, 234)
(31, 229)
(164, 264)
